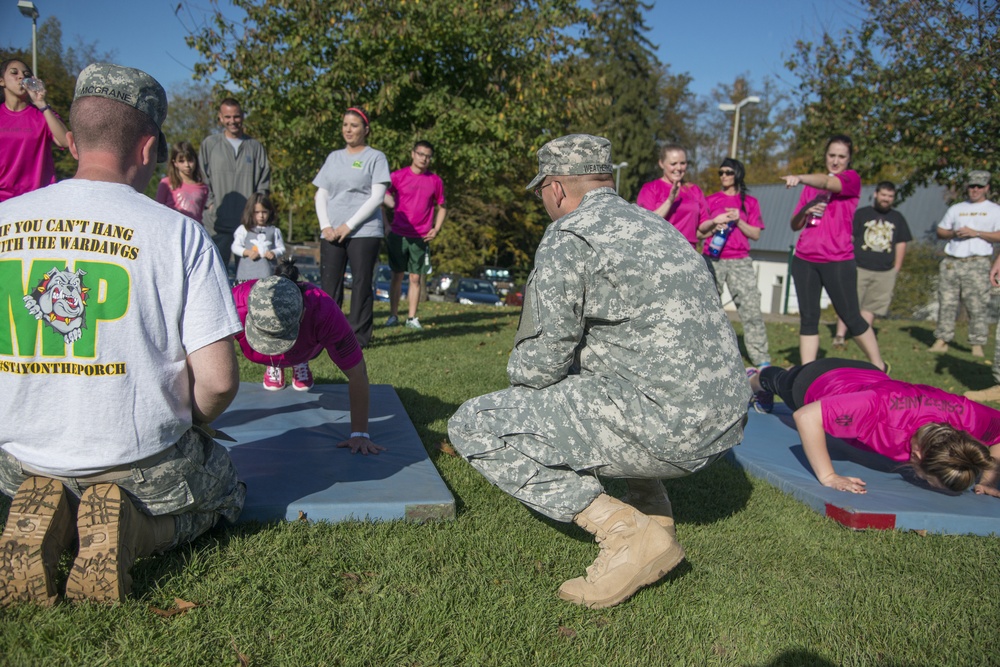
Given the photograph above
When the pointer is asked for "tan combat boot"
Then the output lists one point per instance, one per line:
(113, 534)
(977, 351)
(635, 552)
(992, 394)
(39, 529)
(939, 346)
(649, 497)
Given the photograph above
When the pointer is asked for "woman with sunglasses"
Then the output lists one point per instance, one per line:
(733, 210)
(824, 252)
(350, 188)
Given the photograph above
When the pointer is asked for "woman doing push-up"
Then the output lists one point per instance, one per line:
(949, 441)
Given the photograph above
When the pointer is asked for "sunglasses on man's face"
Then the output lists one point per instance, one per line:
(726, 172)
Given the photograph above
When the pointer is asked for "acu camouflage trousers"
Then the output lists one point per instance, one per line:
(194, 481)
(739, 276)
(963, 280)
(546, 447)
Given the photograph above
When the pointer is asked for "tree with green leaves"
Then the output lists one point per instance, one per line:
(485, 82)
(915, 85)
(58, 67)
(765, 134)
(638, 102)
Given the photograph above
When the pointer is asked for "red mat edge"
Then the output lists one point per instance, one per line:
(861, 520)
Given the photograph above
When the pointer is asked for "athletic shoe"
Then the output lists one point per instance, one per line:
(413, 323)
(274, 378)
(763, 400)
(392, 321)
(302, 377)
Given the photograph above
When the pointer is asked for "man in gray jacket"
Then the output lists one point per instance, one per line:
(624, 365)
(235, 167)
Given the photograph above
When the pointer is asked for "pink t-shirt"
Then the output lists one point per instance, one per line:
(416, 195)
(323, 327)
(189, 199)
(737, 245)
(869, 411)
(689, 210)
(830, 239)
(26, 162)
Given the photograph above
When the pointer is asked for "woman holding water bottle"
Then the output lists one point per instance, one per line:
(824, 252)
(735, 221)
(28, 128)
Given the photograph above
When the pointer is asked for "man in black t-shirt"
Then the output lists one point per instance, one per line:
(880, 238)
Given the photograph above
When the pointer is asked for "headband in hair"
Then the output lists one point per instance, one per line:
(360, 113)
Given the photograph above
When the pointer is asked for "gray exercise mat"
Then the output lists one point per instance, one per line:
(286, 451)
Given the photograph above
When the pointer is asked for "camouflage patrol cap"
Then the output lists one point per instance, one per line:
(274, 310)
(573, 154)
(129, 86)
(978, 177)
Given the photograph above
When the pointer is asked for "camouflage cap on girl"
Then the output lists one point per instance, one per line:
(274, 311)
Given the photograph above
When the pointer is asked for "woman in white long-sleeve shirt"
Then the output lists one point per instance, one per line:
(351, 186)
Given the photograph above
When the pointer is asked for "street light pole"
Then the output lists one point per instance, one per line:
(29, 10)
(753, 99)
(617, 168)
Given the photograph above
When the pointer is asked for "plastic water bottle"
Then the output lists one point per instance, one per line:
(823, 196)
(719, 239)
(33, 84)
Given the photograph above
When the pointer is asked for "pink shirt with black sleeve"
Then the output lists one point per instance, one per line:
(830, 239)
(323, 327)
(869, 411)
(689, 209)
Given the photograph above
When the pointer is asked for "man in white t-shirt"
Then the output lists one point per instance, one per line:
(971, 228)
(117, 343)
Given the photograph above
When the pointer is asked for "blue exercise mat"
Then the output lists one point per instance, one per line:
(286, 452)
(896, 498)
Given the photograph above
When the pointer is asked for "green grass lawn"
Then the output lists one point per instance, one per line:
(766, 582)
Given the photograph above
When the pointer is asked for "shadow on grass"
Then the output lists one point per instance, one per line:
(448, 325)
(704, 497)
(973, 374)
(423, 410)
(799, 658)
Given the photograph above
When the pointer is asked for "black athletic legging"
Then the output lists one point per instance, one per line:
(791, 385)
(841, 282)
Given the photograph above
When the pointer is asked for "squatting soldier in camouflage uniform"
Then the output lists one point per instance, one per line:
(124, 326)
(971, 227)
(624, 365)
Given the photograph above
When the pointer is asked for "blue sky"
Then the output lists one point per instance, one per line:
(712, 41)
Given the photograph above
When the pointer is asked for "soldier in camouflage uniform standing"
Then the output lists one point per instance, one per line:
(624, 365)
(125, 342)
(971, 227)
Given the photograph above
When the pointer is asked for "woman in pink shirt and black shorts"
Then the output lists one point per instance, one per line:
(949, 441)
(824, 252)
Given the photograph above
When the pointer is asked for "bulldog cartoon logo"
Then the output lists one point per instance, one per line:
(60, 301)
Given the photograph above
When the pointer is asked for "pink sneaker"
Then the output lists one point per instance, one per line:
(274, 378)
(302, 377)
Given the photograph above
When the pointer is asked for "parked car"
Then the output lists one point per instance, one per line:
(500, 278)
(515, 297)
(440, 283)
(471, 291)
(308, 268)
(383, 280)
